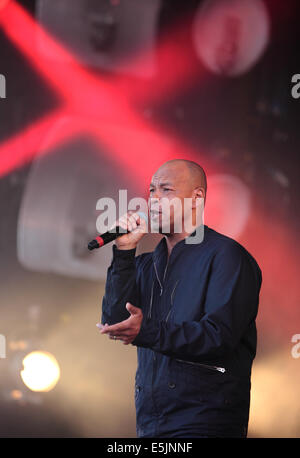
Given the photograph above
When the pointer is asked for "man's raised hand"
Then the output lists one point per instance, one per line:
(137, 226)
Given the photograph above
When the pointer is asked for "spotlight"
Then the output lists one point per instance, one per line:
(229, 205)
(104, 35)
(41, 371)
(230, 36)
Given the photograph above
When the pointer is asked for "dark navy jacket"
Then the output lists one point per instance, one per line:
(198, 335)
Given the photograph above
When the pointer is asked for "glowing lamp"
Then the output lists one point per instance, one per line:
(41, 371)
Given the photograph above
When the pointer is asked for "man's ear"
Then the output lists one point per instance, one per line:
(198, 195)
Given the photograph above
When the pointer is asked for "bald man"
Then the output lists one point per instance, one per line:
(190, 310)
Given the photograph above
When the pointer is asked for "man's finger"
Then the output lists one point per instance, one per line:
(121, 335)
(115, 337)
(101, 326)
(123, 339)
(118, 327)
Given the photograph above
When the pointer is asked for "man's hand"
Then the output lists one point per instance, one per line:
(137, 227)
(126, 330)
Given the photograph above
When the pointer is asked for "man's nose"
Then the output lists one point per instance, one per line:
(154, 201)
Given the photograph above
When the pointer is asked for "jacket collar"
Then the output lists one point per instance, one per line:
(161, 251)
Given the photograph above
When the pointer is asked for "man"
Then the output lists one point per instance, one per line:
(190, 309)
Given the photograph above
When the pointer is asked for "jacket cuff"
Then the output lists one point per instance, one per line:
(123, 258)
(148, 335)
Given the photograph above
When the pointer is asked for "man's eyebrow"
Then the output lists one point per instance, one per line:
(161, 184)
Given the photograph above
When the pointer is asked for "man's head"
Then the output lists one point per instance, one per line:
(175, 181)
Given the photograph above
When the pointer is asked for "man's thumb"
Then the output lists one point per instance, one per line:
(132, 309)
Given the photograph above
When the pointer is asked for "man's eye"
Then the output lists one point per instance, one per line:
(164, 189)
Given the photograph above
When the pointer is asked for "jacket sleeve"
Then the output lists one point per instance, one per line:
(121, 286)
(231, 304)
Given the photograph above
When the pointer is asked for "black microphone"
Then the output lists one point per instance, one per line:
(108, 236)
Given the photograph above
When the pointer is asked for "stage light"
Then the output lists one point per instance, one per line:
(103, 34)
(41, 371)
(230, 36)
(228, 205)
(3, 4)
(16, 395)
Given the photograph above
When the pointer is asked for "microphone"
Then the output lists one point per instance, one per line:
(108, 237)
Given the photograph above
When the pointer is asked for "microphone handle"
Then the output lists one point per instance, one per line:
(105, 238)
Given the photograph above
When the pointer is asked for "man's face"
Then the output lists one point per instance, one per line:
(171, 183)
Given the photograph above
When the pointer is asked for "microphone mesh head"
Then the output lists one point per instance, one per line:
(143, 215)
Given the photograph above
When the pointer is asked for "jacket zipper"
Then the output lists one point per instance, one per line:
(161, 288)
(152, 383)
(154, 356)
(151, 300)
(214, 368)
(166, 270)
(171, 300)
(173, 292)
